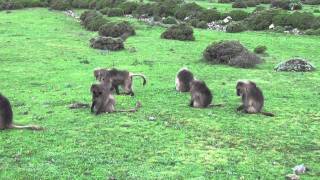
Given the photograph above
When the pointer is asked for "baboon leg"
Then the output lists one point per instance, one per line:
(128, 87)
(117, 89)
(191, 103)
(240, 108)
(1, 124)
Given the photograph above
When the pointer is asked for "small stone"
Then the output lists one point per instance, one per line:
(292, 177)
(151, 118)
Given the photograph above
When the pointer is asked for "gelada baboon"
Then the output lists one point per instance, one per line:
(201, 96)
(118, 78)
(6, 116)
(252, 98)
(183, 80)
(103, 100)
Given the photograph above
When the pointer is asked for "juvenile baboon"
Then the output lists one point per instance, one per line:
(103, 100)
(252, 98)
(183, 79)
(6, 116)
(118, 78)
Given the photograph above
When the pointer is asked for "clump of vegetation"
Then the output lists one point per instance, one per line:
(122, 29)
(231, 53)
(235, 27)
(92, 20)
(202, 25)
(169, 20)
(143, 10)
(80, 4)
(286, 5)
(9, 5)
(104, 10)
(128, 7)
(238, 15)
(225, 1)
(180, 32)
(252, 3)
(188, 10)
(260, 49)
(100, 4)
(316, 11)
(107, 43)
(315, 32)
(261, 20)
(311, 2)
(165, 8)
(113, 12)
(209, 15)
(300, 20)
(61, 5)
(239, 4)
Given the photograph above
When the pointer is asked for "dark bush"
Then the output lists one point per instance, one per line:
(316, 11)
(143, 10)
(225, 1)
(92, 20)
(104, 10)
(252, 3)
(61, 5)
(181, 32)
(261, 20)
(232, 53)
(100, 4)
(128, 7)
(281, 19)
(202, 25)
(165, 8)
(9, 5)
(80, 3)
(235, 27)
(209, 15)
(239, 4)
(193, 22)
(107, 43)
(92, 4)
(188, 10)
(238, 15)
(311, 2)
(265, 1)
(260, 49)
(301, 20)
(169, 20)
(113, 12)
(123, 30)
(259, 8)
(313, 32)
(283, 4)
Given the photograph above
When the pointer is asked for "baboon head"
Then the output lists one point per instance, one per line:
(197, 84)
(100, 73)
(97, 90)
(243, 87)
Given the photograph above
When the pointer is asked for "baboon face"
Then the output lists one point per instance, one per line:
(196, 84)
(99, 74)
(96, 90)
(243, 86)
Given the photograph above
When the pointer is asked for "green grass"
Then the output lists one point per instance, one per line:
(41, 73)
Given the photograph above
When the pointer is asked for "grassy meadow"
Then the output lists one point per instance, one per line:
(42, 55)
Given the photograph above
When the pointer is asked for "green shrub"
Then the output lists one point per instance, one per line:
(9, 5)
(188, 10)
(313, 32)
(104, 10)
(61, 5)
(202, 25)
(122, 29)
(193, 22)
(165, 8)
(209, 15)
(80, 4)
(108, 3)
(259, 8)
(144, 9)
(169, 20)
(301, 20)
(113, 12)
(252, 3)
(312, 2)
(316, 11)
(92, 20)
(107, 43)
(261, 20)
(280, 19)
(260, 49)
(128, 7)
(225, 1)
(180, 32)
(235, 27)
(239, 4)
(92, 4)
(265, 1)
(238, 15)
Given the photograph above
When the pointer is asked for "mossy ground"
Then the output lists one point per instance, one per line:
(41, 73)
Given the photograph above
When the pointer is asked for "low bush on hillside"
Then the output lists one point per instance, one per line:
(61, 5)
(238, 15)
(188, 10)
(169, 20)
(209, 15)
(239, 4)
(84, 4)
(128, 7)
(180, 32)
(92, 20)
(260, 49)
(122, 29)
(143, 10)
(113, 12)
(231, 53)
(235, 27)
(107, 43)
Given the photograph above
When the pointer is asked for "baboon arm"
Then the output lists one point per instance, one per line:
(191, 103)
(92, 106)
(117, 89)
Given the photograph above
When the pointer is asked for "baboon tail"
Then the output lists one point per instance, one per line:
(216, 105)
(267, 114)
(138, 105)
(28, 127)
(143, 77)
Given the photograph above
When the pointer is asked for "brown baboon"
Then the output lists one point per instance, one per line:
(201, 96)
(103, 100)
(6, 116)
(183, 80)
(118, 77)
(252, 98)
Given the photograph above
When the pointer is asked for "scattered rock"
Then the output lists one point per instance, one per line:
(84, 62)
(78, 105)
(152, 118)
(107, 43)
(296, 65)
(300, 169)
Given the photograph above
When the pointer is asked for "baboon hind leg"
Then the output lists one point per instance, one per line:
(128, 87)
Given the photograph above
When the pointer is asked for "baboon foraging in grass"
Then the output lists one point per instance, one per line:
(252, 98)
(201, 96)
(103, 100)
(6, 116)
(183, 80)
(118, 78)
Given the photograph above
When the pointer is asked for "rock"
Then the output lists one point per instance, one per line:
(292, 177)
(296, 65)
(300, 169)
(107, 43)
